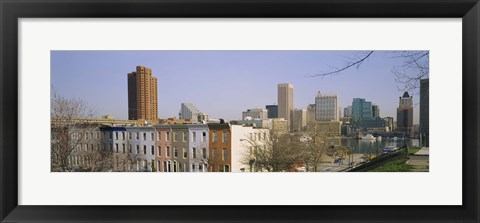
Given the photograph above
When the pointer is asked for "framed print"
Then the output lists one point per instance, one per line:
(205, 111)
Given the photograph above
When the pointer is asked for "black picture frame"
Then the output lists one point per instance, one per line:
(11, 11)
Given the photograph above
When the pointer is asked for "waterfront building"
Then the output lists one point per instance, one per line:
(375, 111)
(272, 111)
(424, 111)
(189, 112)
(220, 159)
(389, 123)
(405, 114)
(326, 107)
(361, 109)
(285, 102)
(299, 119)
(142, 95)
(347, 112)
(255, 113)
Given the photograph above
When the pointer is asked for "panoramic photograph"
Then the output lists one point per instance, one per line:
(239, 111)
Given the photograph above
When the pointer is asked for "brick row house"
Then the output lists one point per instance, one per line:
(159, 148)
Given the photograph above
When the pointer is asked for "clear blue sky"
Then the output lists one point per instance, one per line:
(224, 83)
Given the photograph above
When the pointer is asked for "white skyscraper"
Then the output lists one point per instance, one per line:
(326, 107)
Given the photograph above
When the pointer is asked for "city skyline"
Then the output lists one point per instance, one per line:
(222, 84)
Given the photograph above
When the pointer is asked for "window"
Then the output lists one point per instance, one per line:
(174, 166)
(194, 153)
(86, 136)
(159, 151)
(153, 150)
(174, 136)
(224, 136)
(214, 137)
(204, 136)
(226, 168)
(123, 147)
(204, 153)
(200, 168)
(110, 135)
(169, 168)
(224, 153)
(175, 152)
(111, 147)
(167, 136)
(130, 135)
(137, 135)
(116, 147)
(116, 135)
(130, 148)
(144, 136)
(152, 136)
(185, 154)
(185, 136)
(123, 135)
(164, 166)
(168, 151)
(193, 167)
(194, 136)
(145, 149)
(159, 136)
(138, 149)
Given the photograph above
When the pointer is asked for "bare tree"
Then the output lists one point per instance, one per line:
(270, 151)
(415, 66)
(70, 131)
(314, 146)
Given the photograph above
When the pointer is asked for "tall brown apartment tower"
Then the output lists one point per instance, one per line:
(142, 95)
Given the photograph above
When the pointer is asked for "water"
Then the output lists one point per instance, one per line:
(360, 146)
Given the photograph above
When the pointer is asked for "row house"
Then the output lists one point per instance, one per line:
(220, 147)
(189, 149)
(213, 147)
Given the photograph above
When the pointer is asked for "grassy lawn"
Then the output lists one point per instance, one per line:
(413, 150)
(396, 165)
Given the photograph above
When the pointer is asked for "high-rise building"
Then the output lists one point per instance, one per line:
(189, 111)
(326, 107)
(347, 112)
(405, 114)
(424, 111)
(272, 111)
(310, 114)
(375, 111)
(255, 113)
(361, 109)
(285, 102)
(142, 95)
(299, 119)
